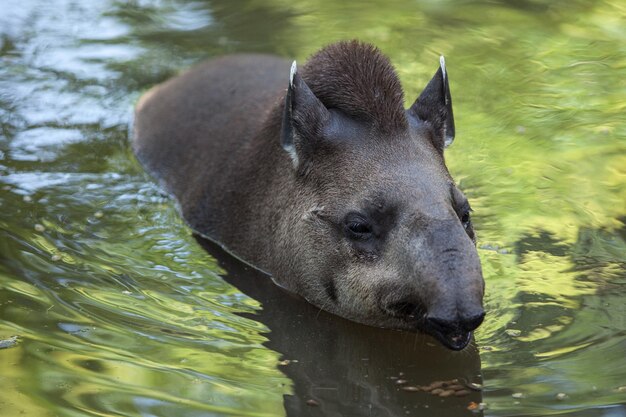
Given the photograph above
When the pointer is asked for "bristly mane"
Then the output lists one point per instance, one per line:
(357, 79)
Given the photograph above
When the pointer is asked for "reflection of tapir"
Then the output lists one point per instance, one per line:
(333, 188)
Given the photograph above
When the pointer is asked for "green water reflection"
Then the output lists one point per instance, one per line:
(119, 311)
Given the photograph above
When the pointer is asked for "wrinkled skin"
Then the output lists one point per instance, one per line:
(334, 189)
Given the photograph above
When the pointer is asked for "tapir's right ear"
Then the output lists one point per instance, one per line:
(304, 118)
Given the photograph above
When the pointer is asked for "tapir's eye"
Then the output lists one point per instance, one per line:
(465, 219)
(357, 227)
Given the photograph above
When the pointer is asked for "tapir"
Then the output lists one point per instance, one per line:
(322, 179)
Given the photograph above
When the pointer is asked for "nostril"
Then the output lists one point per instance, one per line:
(404, 308)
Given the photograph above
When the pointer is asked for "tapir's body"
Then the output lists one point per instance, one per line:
(207, 151)
(333, 189)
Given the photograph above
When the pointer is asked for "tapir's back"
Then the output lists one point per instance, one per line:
(197, 125)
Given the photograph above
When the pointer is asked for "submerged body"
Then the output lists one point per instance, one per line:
(325, 182)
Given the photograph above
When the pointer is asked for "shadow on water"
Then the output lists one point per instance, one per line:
(348, 369)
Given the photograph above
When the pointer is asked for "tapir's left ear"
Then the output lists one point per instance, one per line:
(434, 106)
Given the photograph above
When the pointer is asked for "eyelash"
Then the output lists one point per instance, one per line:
(358, 228)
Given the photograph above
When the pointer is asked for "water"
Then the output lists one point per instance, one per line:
(118, 310)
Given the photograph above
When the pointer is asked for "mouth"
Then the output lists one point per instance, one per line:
(456, 340)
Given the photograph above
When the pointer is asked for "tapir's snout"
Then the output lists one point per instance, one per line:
(450, 317)
(452, 327)
(443, 292)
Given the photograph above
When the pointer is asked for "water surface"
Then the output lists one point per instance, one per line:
(119, 311)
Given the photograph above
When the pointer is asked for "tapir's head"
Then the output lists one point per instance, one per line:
(379, 232)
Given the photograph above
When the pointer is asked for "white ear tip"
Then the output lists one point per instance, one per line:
(294, 69)
(442, 64)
